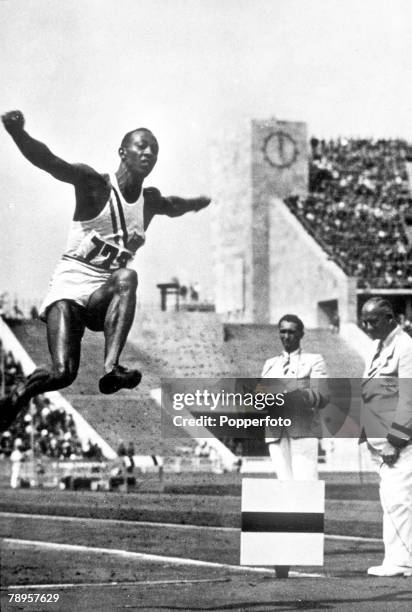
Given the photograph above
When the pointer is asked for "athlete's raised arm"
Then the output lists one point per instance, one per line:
(36, 152)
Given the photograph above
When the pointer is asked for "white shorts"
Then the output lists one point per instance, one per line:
(73, 281)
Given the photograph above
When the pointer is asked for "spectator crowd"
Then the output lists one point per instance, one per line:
(358, 208)
(42, 428)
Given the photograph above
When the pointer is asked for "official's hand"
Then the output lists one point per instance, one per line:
(13, 121)
(298, 400)
(202, 202)
(389, 454)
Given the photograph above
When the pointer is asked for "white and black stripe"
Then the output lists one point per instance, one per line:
(121, 218)
(282, 522)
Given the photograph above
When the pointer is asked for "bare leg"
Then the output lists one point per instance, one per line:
(112, 308)
(65, 329)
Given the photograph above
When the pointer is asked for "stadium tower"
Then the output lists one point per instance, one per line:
(265, 261)
(315, 230)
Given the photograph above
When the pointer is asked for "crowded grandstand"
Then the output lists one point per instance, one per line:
(42, 428)
(358, 208)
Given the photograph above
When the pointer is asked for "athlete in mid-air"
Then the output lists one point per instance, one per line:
(92, 285)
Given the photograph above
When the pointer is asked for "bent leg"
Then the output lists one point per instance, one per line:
(112, 309)
(65, 329)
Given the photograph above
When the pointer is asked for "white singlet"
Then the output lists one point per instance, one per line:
(110, 240)
(97, 247)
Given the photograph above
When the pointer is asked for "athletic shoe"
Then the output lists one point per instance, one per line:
(119, 378)
(389, 570)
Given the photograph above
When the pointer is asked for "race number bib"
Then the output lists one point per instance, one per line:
(96, 251)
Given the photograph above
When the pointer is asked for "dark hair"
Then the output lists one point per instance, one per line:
(291, 318)
(126, 137)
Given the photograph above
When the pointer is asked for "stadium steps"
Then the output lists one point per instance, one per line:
(130, 416)
(164, 345)
(250, 345)
(184, 344)
(161, 345)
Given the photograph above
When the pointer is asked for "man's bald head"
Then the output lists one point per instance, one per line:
(378, 318)
(379, 304)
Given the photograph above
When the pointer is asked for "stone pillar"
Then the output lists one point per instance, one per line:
(279, 169)
(252, 164)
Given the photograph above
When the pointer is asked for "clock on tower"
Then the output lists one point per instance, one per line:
(280, 149)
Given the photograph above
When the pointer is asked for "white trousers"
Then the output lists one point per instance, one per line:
(15, 474)
(295, 458)
(396, 499)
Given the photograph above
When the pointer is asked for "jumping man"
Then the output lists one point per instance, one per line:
(92, 286)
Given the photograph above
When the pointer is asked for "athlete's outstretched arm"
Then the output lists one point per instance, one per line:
(36, 152)
(173, 206)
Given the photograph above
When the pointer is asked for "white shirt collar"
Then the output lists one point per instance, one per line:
(292, 354)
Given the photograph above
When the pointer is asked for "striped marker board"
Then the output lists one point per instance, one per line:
(282, 522)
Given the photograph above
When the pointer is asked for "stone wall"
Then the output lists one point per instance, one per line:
(301, 273)
(232, 220)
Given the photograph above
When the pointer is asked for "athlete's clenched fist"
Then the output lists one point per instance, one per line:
(13, 121)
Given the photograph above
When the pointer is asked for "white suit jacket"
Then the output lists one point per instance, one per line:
(387, 392)
(303, 365)
(303, 372)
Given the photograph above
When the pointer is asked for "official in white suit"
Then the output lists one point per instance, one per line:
(294, 449)
(387, 426)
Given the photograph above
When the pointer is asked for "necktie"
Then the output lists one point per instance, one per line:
(286, 364)
(374, 366)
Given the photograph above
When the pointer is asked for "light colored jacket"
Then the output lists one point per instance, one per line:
(305, 373)
(387, 393)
